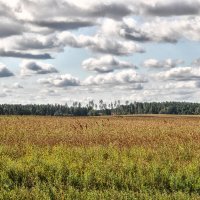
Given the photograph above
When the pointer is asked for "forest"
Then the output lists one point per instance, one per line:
(102, 108)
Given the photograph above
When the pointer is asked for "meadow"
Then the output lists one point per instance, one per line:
(133, 157)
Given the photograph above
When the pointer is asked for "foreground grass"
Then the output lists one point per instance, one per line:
(100, 158)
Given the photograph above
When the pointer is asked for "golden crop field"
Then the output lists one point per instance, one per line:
(134, 157)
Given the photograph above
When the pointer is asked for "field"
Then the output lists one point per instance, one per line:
(152, 157)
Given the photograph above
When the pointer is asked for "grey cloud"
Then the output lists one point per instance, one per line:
(3, 9)
(188, 93)
(16, 54)
(6, 11)
(30, 42)
(10, 28)
(57, 42)
(172, 8)
(198, 84)
(112, 10)
(5, 72)
(2, 95)
(32, 67)
(145, 36)
(147, 33)
(55, 8)
(161, 30)
(63, 25)
(105, 64)
(135, 36)
(97, 43)
(101, 44)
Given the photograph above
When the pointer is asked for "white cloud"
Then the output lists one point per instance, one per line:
(171, 30)
(180, 74)
(106, 8)
(7, 91)
(55, 8)
(100, 44)
(32, 29)
(134, 86)
(196, 62)
(41, 33)
(17, 86)
(168, 63)
(62, 81)
(181, 85)
(49, 92)
(121, 77)
(105, 64)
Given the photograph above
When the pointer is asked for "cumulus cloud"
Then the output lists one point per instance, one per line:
(168, 63)
(63, 25)
(17, 54)
(62, 81)
(135, 86)
(58, 16)
(182, 85)
(86, 9)
(10, 28)
(4, 71)
(22, 18)
(121, 77)
(110, 10)
(101, 44)
(49, 92)
(32, 67)
(105, 64)
(172, 8)
(37, 44)
(33, 29)
(180, 74)
(105, 8)
(5, 11)
(171, 30)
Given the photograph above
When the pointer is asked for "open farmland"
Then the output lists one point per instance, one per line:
(152, 157)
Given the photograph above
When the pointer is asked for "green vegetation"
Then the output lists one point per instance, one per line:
(93, 109)
(100, 158)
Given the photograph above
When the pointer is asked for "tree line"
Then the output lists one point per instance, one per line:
(102, 108)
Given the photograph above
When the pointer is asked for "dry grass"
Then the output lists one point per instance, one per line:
(143, 131)
(140, 157)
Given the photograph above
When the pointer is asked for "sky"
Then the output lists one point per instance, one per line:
(60, 51)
